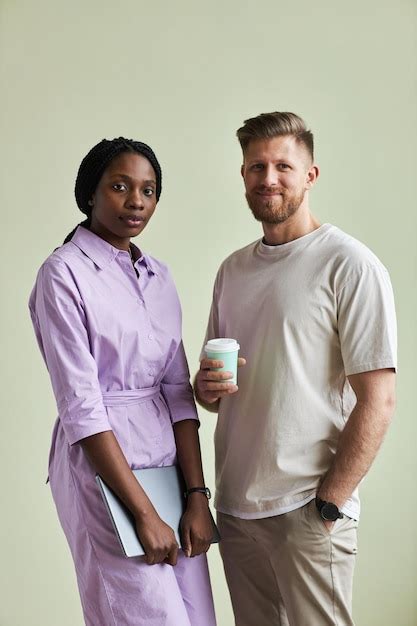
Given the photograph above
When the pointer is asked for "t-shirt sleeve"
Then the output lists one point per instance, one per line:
(59, 321)
(212, 331)
(367, 321)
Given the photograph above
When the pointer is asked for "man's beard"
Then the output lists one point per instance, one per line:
(277, 209)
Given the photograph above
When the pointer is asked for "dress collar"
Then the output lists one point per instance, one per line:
(103, 253)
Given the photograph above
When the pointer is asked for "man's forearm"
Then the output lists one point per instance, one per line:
(358, 445)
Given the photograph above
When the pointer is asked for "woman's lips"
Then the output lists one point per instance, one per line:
(133, 221)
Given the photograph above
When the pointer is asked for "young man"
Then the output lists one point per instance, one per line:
(313, 312)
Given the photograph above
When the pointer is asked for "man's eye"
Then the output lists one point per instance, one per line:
(257, 166)
(283, 166)
(148, 191)
(119, 187)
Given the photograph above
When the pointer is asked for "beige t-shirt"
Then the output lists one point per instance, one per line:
(306, 314)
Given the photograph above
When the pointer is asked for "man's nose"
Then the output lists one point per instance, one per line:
(270, 176)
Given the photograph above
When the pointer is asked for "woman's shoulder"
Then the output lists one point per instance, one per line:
(63, 254)
(62, 261)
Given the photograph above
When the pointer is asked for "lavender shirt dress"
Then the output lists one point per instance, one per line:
(112, 344)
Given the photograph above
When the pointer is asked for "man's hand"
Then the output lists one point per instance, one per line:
(211, 385)
(329, 525)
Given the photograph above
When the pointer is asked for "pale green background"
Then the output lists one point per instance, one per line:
(183, 76)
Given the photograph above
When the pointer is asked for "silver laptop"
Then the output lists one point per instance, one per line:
(164, 487)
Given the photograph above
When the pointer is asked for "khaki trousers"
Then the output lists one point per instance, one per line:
(289, 570)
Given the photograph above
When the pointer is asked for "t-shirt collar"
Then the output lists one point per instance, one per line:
(295, 244)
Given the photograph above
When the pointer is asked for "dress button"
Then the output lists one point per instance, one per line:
(150, 336)
(150, 373)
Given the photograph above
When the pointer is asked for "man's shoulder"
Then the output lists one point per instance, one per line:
(347, 250)
(239, 256)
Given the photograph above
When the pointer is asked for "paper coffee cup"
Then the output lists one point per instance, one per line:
(225, 350)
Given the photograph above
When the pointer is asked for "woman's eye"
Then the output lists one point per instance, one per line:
(148, 191)
(119, 187)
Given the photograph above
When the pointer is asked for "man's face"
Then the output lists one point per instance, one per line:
(276, 172)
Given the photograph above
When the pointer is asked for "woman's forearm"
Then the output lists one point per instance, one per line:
(108, 460)
(189, 453)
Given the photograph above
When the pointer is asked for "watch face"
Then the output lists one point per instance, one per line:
(329, 512)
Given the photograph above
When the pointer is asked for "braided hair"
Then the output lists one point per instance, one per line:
(96, 161)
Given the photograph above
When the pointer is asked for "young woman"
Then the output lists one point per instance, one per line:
(108, 322)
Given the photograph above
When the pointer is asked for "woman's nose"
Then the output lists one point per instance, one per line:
(135, 199)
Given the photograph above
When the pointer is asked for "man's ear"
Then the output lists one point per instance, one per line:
(242, 167)
(312, 175)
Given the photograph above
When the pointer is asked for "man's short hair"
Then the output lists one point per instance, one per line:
(277, 124)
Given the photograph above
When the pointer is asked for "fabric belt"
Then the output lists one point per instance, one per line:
(130, 396)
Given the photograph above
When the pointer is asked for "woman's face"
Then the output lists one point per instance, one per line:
(124, 200)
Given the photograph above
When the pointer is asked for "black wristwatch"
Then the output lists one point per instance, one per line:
(205, 490)
(329, 512)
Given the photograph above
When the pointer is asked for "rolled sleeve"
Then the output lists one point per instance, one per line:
(59, 321)
(177, 390)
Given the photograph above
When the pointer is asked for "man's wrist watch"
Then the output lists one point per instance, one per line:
(205, 490)
(329, 512)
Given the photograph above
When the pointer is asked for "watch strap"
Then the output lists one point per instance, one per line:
(204, 490)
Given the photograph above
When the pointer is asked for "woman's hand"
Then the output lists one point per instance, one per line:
(196, 525)
(158, 540)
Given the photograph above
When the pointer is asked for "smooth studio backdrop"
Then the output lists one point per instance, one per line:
(182, 76)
